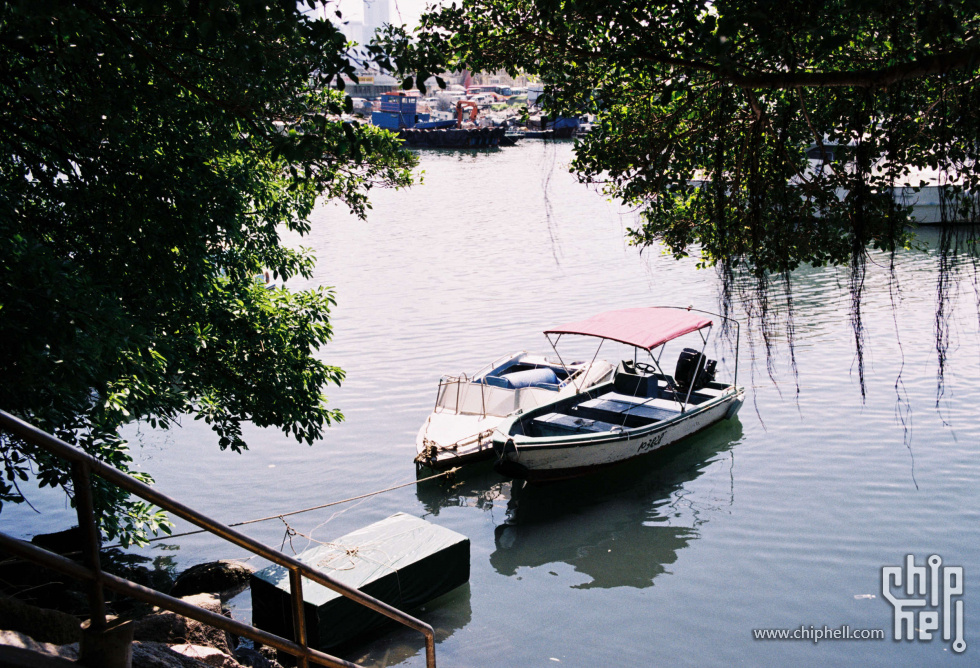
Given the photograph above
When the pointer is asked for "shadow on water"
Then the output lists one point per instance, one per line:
(446, 615)
(622, 527)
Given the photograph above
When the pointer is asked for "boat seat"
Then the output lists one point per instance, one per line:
(698, 397)
(540, 377)
(670, 401)
(627, 413)
(665, 400)
(559, 424)
(625, 398)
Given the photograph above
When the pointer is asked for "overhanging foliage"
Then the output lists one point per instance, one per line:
(705, 110)
(152, 153)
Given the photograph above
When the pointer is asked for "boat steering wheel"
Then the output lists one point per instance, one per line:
(645, 368)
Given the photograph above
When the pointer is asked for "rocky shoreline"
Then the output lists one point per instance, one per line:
(162, 639)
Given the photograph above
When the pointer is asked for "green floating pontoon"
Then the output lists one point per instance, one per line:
(403, 561)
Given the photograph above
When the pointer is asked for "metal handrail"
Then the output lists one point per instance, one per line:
(84, 465)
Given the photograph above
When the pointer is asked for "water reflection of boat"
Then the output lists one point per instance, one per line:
(477, 486)
(621, 528)
(468, 408)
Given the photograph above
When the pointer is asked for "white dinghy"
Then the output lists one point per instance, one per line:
(642, 409)
(469, 408)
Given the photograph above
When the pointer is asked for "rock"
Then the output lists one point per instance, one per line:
(44, 588)
(39, 586)
(155, 574)
(69, 542)
(225, 577)
(46, 626)
(255, 659)
(158, 655)
(206, 655)
(168, 627)
(23, 650)
(271, 653)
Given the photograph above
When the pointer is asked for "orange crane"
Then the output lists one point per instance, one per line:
(474, 111)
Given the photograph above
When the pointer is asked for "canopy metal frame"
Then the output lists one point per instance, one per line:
(656, 359)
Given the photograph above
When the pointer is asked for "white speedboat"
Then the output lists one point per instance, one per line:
(468, 408)
(642, 409)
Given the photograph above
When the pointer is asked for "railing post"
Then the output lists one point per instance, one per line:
(299, 614)
(430, 651)
(85, 509)
(103, 644)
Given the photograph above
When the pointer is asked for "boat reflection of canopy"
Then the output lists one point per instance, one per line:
(640, 410)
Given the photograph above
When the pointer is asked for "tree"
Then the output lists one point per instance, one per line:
(152, 153)
(706, 110)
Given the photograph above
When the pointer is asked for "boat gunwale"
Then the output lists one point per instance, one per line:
(502, 433)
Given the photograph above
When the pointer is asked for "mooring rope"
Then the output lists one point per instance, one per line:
(304, 510)
(431, 449)
(351, 552)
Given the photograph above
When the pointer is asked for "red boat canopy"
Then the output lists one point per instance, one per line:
(644, 328)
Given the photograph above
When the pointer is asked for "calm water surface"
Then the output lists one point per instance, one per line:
(781, 518)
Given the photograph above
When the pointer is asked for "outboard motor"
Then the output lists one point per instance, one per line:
(689, 363)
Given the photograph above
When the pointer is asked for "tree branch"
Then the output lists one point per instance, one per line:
(964, 58)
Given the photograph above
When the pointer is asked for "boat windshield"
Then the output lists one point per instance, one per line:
(465, 397)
